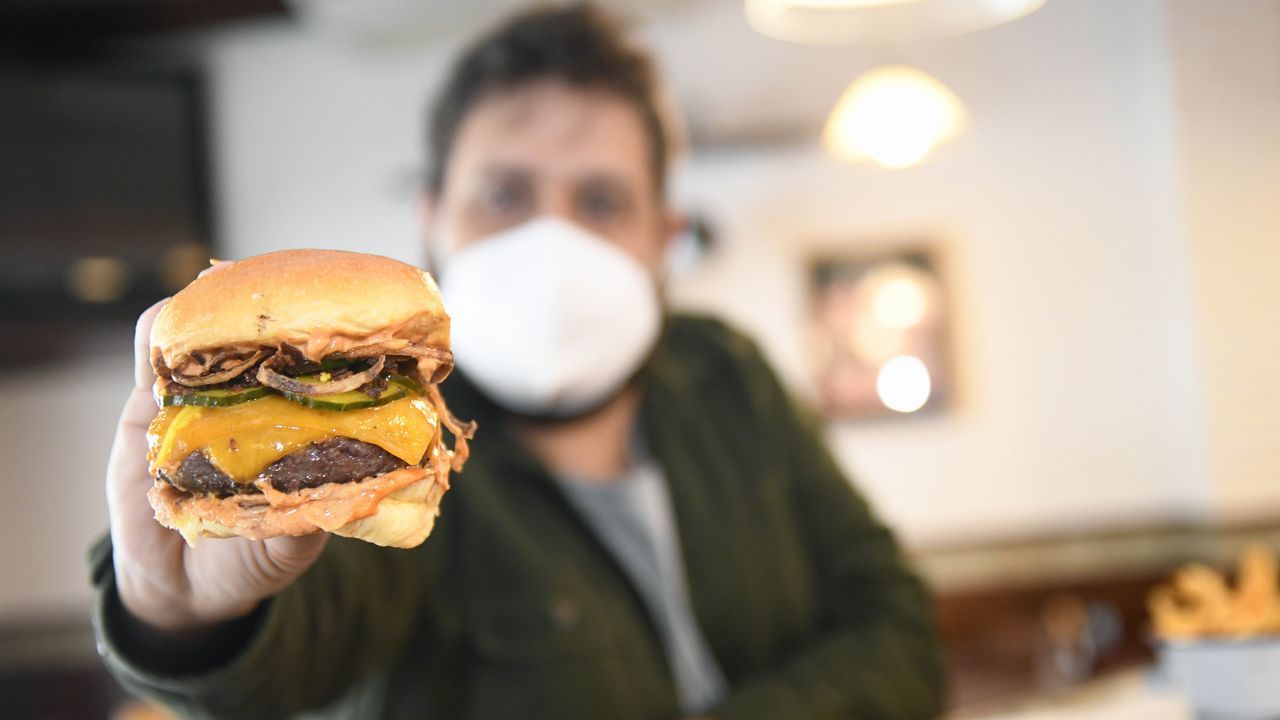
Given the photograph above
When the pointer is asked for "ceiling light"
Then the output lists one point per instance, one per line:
(835, 22)
(893, 115)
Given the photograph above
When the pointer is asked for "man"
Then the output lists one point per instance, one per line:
(647, 528)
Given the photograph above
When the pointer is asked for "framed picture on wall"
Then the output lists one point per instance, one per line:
(879, 332)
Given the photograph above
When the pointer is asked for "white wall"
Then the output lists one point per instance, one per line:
(57, 427)
(1227, 56)
(317, 143)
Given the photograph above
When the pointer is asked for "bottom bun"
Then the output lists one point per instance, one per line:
(396, 509)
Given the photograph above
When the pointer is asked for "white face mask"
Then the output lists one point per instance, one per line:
(547, 317)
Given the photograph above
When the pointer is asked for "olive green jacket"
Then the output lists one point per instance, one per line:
(513, 609)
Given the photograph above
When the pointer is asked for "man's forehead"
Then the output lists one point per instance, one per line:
(553, 125)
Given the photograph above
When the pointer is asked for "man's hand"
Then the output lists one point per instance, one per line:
(164, 583)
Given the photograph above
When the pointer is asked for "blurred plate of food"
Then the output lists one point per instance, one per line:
(1220, 642)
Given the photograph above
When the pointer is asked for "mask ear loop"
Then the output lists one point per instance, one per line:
(435, 251)
(438, 254)
(435, 263)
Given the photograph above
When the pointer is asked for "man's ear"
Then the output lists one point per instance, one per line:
(427, 210)
(674, 225)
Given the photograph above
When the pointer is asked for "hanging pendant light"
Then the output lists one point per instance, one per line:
(836, 22)
(892, 115)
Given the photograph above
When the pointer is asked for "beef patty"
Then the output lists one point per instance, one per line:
(335, 460)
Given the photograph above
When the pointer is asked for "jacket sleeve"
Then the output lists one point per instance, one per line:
(877, 655)
(326, 641)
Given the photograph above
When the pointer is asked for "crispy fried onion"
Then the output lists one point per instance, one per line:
(434, 363)
(462, 432)
(227, 367)
(269, 376)
(396, 347)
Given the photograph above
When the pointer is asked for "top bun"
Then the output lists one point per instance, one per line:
(296, 296)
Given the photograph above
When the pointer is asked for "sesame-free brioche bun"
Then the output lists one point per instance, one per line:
(301, 298)
(259, 326)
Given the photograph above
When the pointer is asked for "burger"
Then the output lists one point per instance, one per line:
(298, 393)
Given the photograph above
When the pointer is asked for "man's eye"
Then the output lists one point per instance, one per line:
(504, 198)
(599, 205)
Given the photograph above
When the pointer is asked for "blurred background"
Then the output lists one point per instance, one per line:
(1023, 255)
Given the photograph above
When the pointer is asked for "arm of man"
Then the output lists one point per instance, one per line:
(878, 656)
(344, 621)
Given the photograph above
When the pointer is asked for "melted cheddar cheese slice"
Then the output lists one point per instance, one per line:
(241, 440)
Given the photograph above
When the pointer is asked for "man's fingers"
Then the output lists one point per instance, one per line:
(289, 556)
(128, 478)
(214, 266)
(143, 376)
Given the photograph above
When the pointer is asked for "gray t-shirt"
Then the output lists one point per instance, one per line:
(632, 516)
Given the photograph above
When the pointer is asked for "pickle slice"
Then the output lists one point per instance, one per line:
(413, 385)
(215, 397)
(351, 400)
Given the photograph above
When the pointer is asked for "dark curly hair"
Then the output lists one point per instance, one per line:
(579, 45)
